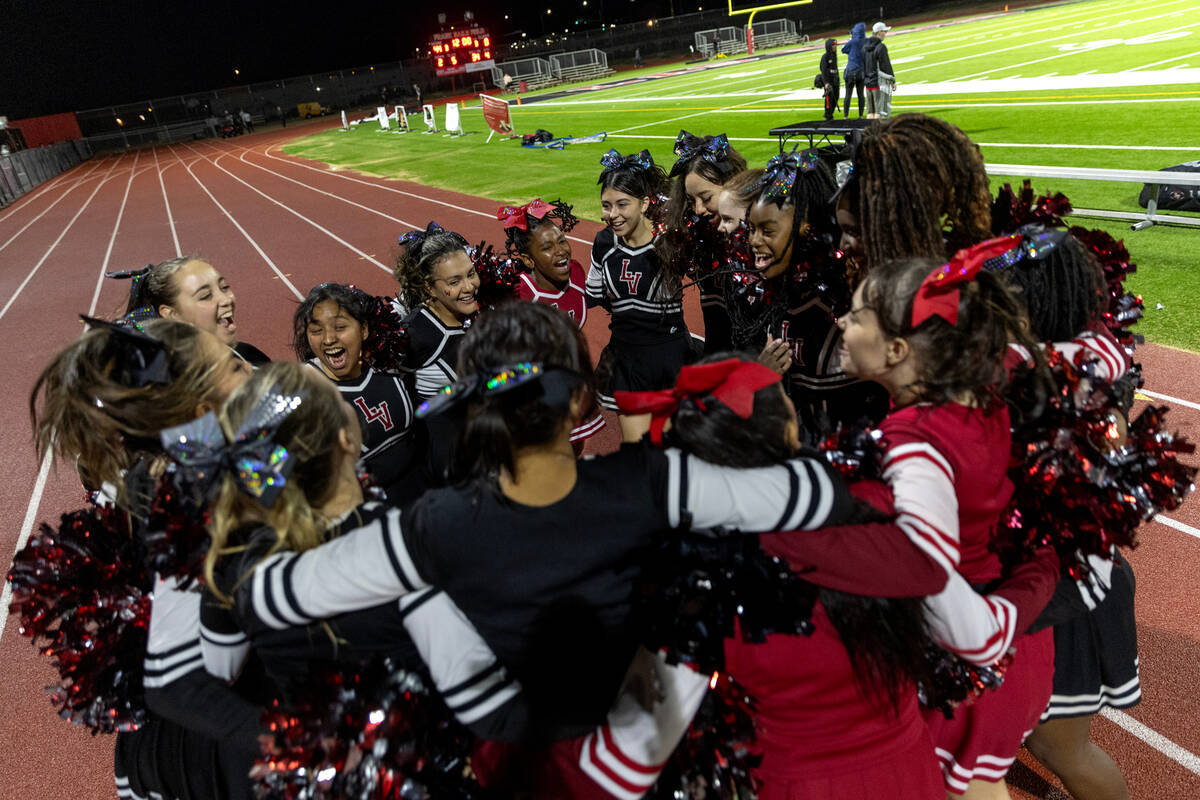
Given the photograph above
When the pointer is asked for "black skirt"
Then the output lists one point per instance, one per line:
(1095, 655)
(643, 367)
(164, 759)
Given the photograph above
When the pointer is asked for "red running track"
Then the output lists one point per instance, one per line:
(275, 226)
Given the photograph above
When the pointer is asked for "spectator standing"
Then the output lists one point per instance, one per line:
(854, 65)
(282, 116)
(247, 120)
(877, 73)
(637, 57)
(716, 45)
(829, 71)
(417, 91)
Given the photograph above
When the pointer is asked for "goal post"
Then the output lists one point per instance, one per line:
(753, 10)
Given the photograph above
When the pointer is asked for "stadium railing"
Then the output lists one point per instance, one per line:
(25, 170)
(535, 72)
(776, 33)
(1152, 178)
(580, 65)
(730, 40)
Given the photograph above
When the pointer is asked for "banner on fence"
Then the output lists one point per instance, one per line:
(496, 115)
(453, 122)
(430, 122)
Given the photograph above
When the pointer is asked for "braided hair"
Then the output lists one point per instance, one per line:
(923, 190)
(1063, 292)
(422, 251)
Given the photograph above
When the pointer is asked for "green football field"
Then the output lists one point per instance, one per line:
(1104, 84)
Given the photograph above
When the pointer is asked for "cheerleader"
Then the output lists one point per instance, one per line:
(703, 165)
(649, 340)
(935, 336)
(188, 289)
(331, 329)
(552, 276)
(1095, 646)
(101, 403)
(731, 207)
(795, 287)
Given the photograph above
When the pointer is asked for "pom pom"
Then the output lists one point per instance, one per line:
(1081, 485)
(957, 682)
(715, 758)
(375, 733)
(1011, 210)
(175, 534)
(697, 588)
(386, 345)
(855, 451)
(499, 275)
(1124, 308)
(81, 593)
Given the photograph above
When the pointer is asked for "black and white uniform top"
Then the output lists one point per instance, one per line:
(383, 405)
(433, 350)
(250, 354)
(628, 282)
(548, 588)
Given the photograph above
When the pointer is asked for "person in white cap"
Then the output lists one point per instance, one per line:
(878, 74)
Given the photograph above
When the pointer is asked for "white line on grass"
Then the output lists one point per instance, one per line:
(1177, 525)
(1164, 61)
(1188, 760)
(1031, 145)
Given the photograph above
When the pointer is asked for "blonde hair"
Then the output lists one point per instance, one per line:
(79, 410)
(310, 434)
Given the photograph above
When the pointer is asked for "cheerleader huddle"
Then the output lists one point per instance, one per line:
(859, 541)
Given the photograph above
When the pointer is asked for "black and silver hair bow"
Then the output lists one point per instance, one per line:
(412, 237)
(614, 160)
(493, 382)
(258, 464)
(688, 147)
(779, 176)
(138, 360)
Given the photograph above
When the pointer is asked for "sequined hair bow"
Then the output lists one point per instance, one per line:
(713, 149)
(732, 381)
(779, 176)
(259, 465)
(138, 360)
(514, 217)
(614, 160)
(556, 385)
(940, 292)
(413, 237)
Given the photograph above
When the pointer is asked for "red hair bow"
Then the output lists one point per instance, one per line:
(731, 381)
(513, 217)
(939, 294)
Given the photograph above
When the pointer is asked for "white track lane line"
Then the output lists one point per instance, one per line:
(365, 256)
(394, 190)
(1169, 399)
(52, 184)
(1188, 760)
(50, 249)
(1177, 525)
(167, 204)
(241, 230)
(44, 211)
(39, 486)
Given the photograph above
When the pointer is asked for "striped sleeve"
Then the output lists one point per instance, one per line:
(473, 683)
(801, 494)
(1109, 355)
(223, 644)
(593, 290)
(360, 569)
(173, 642)
(978, 628)
(922, 482)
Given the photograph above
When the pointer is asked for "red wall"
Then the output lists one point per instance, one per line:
(47, 130)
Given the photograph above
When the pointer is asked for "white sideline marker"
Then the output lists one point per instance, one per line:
(1188, 760)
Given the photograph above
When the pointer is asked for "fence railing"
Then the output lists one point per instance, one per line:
(776, 33)
(534, 72)
(580, 65)
(728, 40)
(24, 170)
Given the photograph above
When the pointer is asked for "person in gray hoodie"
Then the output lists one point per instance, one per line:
(853, 48)
(878, 74)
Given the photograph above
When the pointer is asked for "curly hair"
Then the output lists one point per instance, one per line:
(953, 361)
(355, 302)
(414, 265)
(518, 241)
(923, 190)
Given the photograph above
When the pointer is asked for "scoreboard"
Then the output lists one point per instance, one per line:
(458, 51)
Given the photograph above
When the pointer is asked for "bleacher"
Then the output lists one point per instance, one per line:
(776, 33)
(581, 65)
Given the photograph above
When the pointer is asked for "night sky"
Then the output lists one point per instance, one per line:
(67, 56)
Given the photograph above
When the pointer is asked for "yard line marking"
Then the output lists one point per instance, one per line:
(50, 250)
(1177, 525)
(1169, 399)
(726, 110)
(216, 163)
(39, 486)
(236, 224)
(1032, 145)
(1187, 760)
(167, 204)
(1164, 61)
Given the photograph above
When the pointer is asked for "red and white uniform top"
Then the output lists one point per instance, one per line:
(1111, 359)
(570, 301)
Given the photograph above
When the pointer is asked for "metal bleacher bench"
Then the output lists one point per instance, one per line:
(1152, 178)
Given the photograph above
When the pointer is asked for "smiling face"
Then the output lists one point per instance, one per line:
(866, 352)
(622, 212)
(702, 195)
(847, 220)
(549, 257)
(454, 284)
(337, 339)
(203, 299)
(770, 229)
(731, 212)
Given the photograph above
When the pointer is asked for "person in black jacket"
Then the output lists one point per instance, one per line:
(829, 71)
(880, 79)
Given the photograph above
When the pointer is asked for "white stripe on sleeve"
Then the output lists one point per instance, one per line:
(922, 484)
(797, 495)
(978, 628)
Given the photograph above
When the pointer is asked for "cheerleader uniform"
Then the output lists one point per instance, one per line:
(390, 448)
(947, 466)
(572, 302)
(649, 339)
(250, 354)
(433, 359)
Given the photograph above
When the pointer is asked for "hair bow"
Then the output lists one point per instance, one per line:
(614, 160)
(513, 217)
(731, 381)
(555, 390)
(139, 360)
(939, 293)
(688, 147)
(137, 279)
(412, 237)
(779, 176)
(257, 463)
